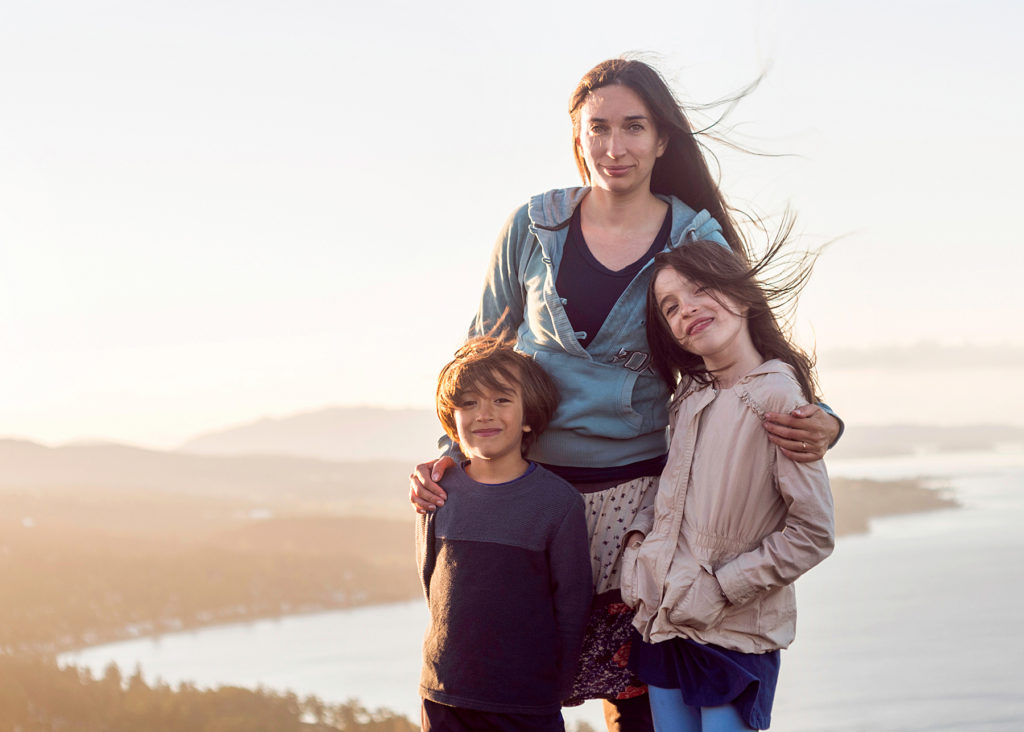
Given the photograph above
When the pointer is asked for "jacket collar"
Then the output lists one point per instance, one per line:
(553, 210)
(771, 366)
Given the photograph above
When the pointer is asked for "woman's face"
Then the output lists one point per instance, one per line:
(618, 140)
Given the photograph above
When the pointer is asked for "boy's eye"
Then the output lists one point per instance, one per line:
(467, 403)
(502, 400)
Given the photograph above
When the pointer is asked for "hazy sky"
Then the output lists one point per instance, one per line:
(212, 211)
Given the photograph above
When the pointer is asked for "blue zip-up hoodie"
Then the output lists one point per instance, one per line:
(614, 409)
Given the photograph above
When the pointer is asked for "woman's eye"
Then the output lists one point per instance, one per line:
(637, 127)
(700, 290)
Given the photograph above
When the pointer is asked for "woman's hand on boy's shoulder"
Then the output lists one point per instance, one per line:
(424, 492)
(804, 434)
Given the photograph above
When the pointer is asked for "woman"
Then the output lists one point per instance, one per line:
(569, 275)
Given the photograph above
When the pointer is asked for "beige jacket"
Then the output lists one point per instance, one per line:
(733, 524)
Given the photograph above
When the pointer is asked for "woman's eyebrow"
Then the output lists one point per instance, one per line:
(628, 118)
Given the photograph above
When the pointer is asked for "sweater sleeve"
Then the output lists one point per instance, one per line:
(571, 590)
(425, 550)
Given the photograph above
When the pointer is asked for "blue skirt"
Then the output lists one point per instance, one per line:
(710, 676)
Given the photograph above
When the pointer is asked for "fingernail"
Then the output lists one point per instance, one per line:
(435, 477)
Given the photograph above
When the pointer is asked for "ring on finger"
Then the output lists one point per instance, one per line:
(804, 445)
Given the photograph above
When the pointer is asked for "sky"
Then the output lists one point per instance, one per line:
(216, 211)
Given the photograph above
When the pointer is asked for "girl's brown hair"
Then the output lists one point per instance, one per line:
(492, 363)
(766, 289)
(682, 170)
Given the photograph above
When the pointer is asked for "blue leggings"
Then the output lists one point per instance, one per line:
(672, 714)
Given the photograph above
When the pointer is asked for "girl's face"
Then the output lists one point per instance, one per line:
(711, 328)
(618, 140)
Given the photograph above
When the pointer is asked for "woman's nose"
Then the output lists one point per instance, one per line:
(616, 144)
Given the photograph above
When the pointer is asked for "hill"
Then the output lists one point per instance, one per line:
(268, 479)
(904, 439)
(334, 433)
(409, 436)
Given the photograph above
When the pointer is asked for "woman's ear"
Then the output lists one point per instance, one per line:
(662, 145)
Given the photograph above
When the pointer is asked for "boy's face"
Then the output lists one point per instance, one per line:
(490, 423)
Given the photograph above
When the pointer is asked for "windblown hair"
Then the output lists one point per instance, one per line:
(767, 289)
(682, 170)
(491, 363)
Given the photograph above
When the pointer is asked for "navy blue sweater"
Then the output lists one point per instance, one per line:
(506, 572)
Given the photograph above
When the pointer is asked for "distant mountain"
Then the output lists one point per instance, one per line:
(409, 436)
(903, 439)
(268, 478)
(335, 433)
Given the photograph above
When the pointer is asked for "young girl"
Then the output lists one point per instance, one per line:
(710, 566)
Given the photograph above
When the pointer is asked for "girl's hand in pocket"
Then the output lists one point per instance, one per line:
(703, 606)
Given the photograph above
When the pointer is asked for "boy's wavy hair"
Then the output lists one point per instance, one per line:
(768, 289)
(487, 362)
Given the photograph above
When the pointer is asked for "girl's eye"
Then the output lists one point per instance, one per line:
(670, 309)
(701, 290)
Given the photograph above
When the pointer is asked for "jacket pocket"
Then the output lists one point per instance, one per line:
(702, 605)
(596, 398)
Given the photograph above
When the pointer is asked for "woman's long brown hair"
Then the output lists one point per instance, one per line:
(682, 170)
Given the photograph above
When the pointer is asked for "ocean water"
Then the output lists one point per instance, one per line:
(916, 626)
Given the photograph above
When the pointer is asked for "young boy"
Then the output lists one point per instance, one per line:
(505, 562)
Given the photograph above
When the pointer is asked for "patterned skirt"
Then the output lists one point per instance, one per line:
(603, 672)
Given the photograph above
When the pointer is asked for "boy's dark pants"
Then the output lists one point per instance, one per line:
(436, 717)
(626, 715)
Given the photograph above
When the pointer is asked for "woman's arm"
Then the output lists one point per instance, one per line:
(806, 433)
(503, 300)
(424, 492)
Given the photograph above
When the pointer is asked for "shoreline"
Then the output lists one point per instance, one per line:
(857, 502)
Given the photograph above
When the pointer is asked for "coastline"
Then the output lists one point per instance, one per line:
(857, 500)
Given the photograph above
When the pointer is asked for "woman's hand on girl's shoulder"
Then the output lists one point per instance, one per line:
(804, 434)
(424, 492)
